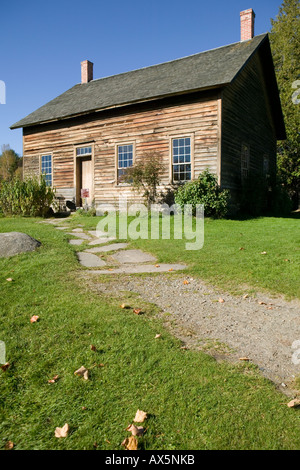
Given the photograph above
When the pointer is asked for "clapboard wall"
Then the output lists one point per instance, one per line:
(149, 126)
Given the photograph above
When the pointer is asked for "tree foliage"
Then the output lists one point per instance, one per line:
(10, 163)
(285, 44)
(145, 176)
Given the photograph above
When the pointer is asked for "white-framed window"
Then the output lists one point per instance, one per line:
(245, 161)
(46, 168)
(181, 159)
(125, 157)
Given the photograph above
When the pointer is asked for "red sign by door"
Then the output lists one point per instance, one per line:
(85, 193)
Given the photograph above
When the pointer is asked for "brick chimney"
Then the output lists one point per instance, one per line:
(86, 71)
(247, 24)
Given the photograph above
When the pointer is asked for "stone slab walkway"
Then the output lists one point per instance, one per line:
(140, 269)
(89, 260)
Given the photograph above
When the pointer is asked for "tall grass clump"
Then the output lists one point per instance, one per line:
(31, 197)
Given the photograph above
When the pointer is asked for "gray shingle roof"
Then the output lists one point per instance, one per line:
(209, 69)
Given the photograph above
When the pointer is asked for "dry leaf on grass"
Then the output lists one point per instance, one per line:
(137, 311)
(157, 336)
(9, 279)
(34, 319)
(294, 403)
(93, 348)
(263, 253)
(135, 430)
(4, 367)
(62, 432)
(9, 445)
(52, 381)
(82, 372)
(130, 443)
(140, 416)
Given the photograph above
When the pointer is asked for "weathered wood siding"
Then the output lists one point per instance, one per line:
(149, 127)
(247, 119)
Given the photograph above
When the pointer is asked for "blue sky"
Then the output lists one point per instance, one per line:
(43, 43)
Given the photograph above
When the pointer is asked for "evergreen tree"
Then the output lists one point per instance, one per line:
(285, 44)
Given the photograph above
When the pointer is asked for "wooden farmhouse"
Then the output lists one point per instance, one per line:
(218, 109)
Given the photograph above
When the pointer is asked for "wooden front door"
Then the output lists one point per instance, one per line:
(84, 180)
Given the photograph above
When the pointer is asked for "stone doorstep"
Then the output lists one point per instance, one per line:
(140, 269)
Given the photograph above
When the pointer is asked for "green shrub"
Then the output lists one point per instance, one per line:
(205, 190)
(31, 197)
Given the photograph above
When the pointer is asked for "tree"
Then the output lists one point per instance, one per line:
(285, 44)
(9, 163)
(145, 175)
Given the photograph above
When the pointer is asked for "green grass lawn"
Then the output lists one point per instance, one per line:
(193, 402)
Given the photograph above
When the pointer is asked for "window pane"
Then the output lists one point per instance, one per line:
(181, 159)
(46, 168)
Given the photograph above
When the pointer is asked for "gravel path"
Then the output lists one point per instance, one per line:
(262, 329)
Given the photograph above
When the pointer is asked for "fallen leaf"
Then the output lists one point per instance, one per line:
(185, 282)
(137, 311)
(294, 403)
(9, 445)
(242, 248)
(135, 430)
(263, 253)
(244, 359)
(262, 303)
(52, 381)
(9, 279)
(130, 443)
(5, 366)
(95, 445)
(34, 319)
(171, 269)
(157, 265)
(101, 365)
(93, 348)
(157, 336)
(62, 432)
(221, 301)
(140, 416)
(84, 408)
(246, 296)
(82, 372)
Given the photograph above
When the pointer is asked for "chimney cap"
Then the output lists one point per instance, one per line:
(246, 12)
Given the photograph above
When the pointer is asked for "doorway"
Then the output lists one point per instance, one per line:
(84, 181)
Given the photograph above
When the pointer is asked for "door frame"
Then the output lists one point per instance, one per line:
(77, 161)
